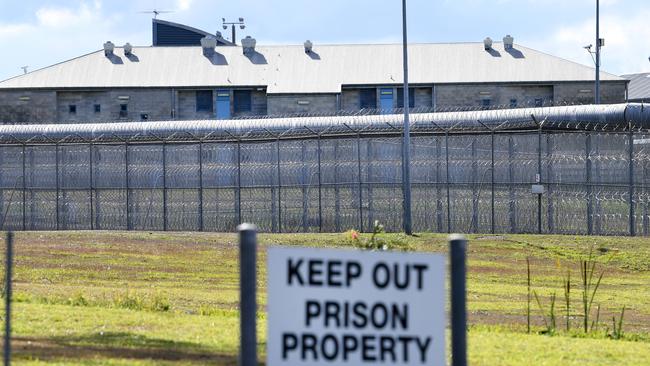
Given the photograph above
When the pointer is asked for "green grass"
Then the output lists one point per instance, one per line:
(138, 298)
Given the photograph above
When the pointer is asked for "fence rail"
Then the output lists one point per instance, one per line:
(311, 175)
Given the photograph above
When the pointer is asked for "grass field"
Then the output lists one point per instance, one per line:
(138, 298)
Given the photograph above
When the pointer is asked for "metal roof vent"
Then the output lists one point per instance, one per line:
(248, 44)
(128, 49)
(487, 43)
(508, 42)
(208, 44)
(108, 48)
(308, 46)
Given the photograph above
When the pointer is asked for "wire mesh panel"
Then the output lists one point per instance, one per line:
(299, 172)
(341, 190)
(183, 209)
(11, 183)
(220, 209)
(110, 209)
(428, 174)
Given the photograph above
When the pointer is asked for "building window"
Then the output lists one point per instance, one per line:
(400, 97)
(242, 100)
(539, 102)
(144, 116)
(513, 103)
(486, 103)
(124, 110)
(72, 109)
(204, 101)
(368, 98)
(98, 108)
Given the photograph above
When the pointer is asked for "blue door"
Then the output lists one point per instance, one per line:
(223, 104)
(386, 100)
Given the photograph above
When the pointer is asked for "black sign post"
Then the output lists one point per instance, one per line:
(247, 294)
(9, 241)
(457, 260)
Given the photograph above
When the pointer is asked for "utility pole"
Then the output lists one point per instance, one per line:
(240, 23)
(406, 139)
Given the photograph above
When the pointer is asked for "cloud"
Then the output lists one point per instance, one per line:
(183, 4)
(626, 47)
(59, 33)
(57, 17)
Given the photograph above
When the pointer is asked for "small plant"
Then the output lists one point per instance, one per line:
(567, 299)
(159, 303)
(617, 330)
(77, 300)
(589, 287)
(378, 240)
(550, 324)
(528, 295)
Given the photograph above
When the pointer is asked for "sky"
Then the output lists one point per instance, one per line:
(41, 33)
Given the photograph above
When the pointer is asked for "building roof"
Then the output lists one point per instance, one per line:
(639, 86)
(288, 69)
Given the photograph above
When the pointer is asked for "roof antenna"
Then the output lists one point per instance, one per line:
(156, 12)
(24, 69)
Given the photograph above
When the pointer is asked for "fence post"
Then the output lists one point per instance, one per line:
(457, 260)
(550, 177)
(129, 225)
(247, 294)
(201, 223)
(91, 184)
(164, 183)
(475, 191)
(238, 201)
(360, 182)
(9, 242)
(24, 191)
(320, 191)
(590, 208)
(279, 172)
(58, 189)
(512, 205)
(539, 178)
(631, 177)
(492, 225)
(439, 218)
(449, 226)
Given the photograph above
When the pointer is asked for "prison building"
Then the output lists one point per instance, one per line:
(208, 81)
(639, 87)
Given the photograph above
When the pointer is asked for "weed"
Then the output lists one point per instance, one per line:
(617, 330)
(589, 288)
(77, 300)
(528, 295)
(378, 240)
(550, 324)
(567, 299)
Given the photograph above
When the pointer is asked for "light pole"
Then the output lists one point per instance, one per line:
(240, 23)
(406, 139)
(598, 45)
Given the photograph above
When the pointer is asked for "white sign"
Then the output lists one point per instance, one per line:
(348, 307)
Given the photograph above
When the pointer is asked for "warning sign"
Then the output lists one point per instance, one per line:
(344, 307)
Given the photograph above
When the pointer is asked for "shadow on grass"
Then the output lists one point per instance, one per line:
(119, 345)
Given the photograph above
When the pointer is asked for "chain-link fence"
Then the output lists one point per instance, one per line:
(332, 175)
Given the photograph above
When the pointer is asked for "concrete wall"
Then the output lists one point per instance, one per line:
(163, 104)
(155, 103)
(292, 103)
(18, 106)
(449, 96)
(583, 93)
